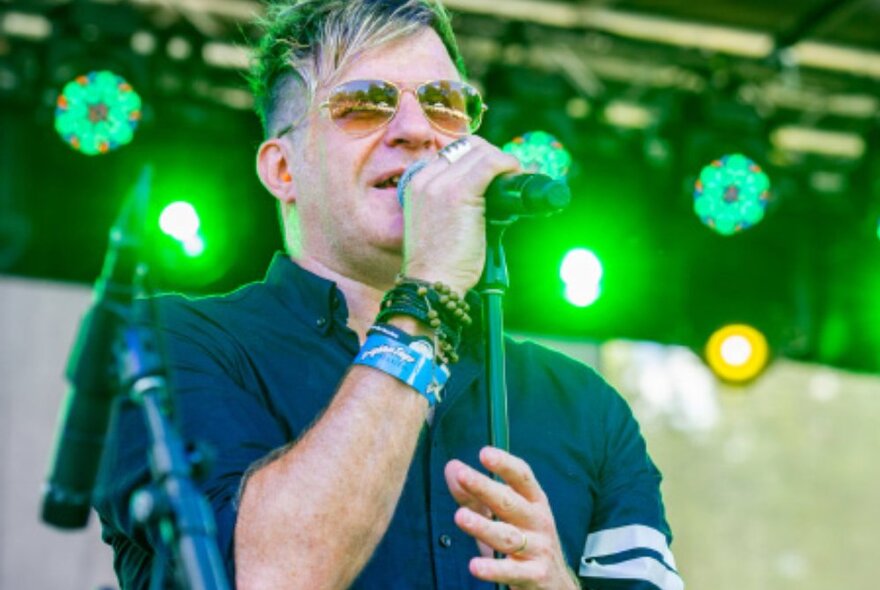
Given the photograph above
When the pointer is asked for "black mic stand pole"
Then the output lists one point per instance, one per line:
(493, 287)
(172, 503)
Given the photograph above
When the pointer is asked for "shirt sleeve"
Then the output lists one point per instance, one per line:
(213, 407)
(627, 546)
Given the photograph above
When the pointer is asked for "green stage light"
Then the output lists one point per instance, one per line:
(581, 272)
(97, 113)
(194, 246)
(194, 221)
(540, 152)
(180, 221)
(731, 194)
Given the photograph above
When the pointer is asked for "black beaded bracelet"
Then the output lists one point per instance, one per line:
(435, 305)
(446, 340)
(452, 308)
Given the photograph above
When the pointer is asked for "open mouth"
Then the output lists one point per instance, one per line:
(390, 182)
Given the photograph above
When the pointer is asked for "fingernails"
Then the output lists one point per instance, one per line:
(491, 455)
(477, 567)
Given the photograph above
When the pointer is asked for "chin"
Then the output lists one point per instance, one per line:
(393, 245)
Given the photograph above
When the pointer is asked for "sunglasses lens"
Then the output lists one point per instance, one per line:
(454, 107)
(361, 106)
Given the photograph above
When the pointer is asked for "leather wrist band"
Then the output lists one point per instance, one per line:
(433, 304)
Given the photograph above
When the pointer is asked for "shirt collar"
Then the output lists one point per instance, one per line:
(315, 300)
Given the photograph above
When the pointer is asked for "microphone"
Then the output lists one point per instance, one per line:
(85, 413)
(525, 195)
(510, 195)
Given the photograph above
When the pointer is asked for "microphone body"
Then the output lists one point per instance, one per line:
(85, 413)
(510, 195)
(83, 422)
(522, 195)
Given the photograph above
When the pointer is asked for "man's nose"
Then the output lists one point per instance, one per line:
(410, 127)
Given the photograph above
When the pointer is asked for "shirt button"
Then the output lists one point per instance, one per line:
(445, 541)
(321, 322)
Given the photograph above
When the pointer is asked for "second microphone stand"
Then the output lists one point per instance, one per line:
(171, 502)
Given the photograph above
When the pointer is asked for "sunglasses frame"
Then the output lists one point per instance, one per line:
(324, 106)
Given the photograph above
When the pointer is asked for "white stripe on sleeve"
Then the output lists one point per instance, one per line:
(642, 568)
(627, 538)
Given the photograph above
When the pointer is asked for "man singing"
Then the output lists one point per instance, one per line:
(344, 393)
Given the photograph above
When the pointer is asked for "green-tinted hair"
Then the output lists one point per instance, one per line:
(306, 42)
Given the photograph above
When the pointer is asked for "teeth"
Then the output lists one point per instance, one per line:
(390, 182)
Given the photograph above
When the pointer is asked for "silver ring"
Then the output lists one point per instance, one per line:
(456, 150)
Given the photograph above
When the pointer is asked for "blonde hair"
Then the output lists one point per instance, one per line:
(307, 42)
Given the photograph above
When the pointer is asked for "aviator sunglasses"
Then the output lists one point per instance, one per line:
(360, 107)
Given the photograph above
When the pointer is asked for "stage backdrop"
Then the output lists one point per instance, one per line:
(769, 487)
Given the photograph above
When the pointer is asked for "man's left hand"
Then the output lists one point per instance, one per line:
(525, 530)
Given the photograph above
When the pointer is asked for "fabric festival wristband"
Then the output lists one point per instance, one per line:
(411, 365)
(399, 335)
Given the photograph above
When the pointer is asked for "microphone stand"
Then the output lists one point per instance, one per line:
(528, 194)
(119, 349)
(171, 503)
(492, 289)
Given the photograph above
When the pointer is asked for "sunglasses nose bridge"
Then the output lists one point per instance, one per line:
(400, 94)
(415, 95)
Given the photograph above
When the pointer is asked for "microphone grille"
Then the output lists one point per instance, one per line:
(407, 175)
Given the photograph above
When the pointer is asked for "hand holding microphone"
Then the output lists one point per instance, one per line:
(509, 194)
(444, 212)
(483, 179)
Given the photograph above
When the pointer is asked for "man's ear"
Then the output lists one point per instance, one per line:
(274, 170)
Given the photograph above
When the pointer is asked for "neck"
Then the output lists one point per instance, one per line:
(361, 296)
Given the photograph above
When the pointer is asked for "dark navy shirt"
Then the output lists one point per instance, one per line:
(254, 368)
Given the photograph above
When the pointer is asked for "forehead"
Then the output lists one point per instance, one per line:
(413, 59)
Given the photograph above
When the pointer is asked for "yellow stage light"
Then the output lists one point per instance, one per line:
(737, 353)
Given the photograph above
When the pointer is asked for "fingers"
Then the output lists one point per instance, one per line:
(444, 215)
(462, 496)
(482, 163)
(507, 571)
(475, 169)
(514, 471)
(525, 530)
(502, 500)
(500, 536)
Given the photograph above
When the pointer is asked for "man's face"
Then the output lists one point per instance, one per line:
(349, 217)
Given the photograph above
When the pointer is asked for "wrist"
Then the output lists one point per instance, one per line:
(433, 276)
(434, 305)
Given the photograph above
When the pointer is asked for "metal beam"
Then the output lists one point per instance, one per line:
(662, 30)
